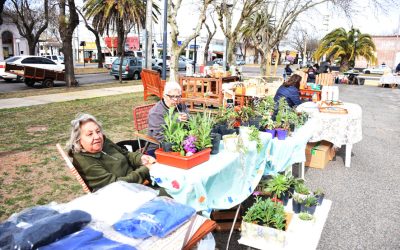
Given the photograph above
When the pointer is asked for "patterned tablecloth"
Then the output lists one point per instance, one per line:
(224, 181)
(339, 129)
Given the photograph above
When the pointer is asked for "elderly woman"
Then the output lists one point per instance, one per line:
(99, 161)
(290, 91)
(172, 98)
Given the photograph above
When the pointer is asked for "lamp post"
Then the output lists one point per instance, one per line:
(164, 55)
(18, 41)
(195, 55)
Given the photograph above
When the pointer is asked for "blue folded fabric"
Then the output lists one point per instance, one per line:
(86, 239)
(158, 217)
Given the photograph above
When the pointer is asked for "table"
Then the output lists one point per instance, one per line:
(300, 234)
(282, 154)
(339, 129)
(223, 182)
(390, 80)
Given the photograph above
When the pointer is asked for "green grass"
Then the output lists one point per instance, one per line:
(43, 176)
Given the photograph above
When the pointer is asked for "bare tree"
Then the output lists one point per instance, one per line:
(68, 20)
(225, 12)
(209, 37)
(30, 19)
(176, 50)
(97, 36)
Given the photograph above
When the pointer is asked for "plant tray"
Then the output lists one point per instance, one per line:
(263, 235)
(184, 162)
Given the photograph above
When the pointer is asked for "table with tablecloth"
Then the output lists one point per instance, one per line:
(282, 154)
(222, 182)
(390, 79)
(339, 129)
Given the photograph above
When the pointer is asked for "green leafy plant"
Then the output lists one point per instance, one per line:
(255, 136)
(226, 116)
(310, 201)
(301, 188)
(318, 192)
(266, 106)
(267, 213)
(203, 131)
(278, 185)
(281, 119)
(245, 113)
(267, 122)
(171, 125)
(305, 216)
(298, 198)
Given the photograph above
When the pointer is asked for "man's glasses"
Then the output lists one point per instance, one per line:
(177, 97)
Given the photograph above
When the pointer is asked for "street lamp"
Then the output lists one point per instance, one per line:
(18, 41)
(195, 55)
(164, 55)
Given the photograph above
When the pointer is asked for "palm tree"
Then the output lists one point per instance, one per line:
(119, 15)
(346, 46)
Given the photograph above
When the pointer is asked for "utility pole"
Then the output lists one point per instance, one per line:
(148, 33)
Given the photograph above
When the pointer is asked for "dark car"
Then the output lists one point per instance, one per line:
(131, 68)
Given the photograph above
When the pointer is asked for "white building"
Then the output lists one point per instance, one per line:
(12, 44)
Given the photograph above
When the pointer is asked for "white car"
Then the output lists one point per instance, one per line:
(381, 69)
(8, 77)
(36, 62)
(55, 58)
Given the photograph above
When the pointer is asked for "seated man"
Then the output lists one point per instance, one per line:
(99, 161)
(171, 98)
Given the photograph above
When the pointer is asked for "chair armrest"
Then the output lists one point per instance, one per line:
(147, 138)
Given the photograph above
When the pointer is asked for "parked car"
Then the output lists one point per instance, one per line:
(8, 77)
(218, 61)
(131, 68)
(36, 61)
(159, 62)
(240, 62)
(55, 58)
(381, 69)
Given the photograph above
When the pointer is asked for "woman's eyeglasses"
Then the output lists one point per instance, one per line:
(177, 97)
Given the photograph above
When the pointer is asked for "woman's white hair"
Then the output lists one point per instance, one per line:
(73, 145)
(170, 86)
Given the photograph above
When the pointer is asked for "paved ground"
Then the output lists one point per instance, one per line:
(365, 212)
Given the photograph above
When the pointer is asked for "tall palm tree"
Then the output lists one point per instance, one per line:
(346, 46)
(119, 15)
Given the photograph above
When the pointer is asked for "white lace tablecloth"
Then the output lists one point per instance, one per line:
(339, 129)
(390, 79)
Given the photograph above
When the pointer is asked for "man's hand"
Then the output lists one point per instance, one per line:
(183, 117)
(148, 160)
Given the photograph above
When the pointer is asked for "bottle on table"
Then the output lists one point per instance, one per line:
(314, 97)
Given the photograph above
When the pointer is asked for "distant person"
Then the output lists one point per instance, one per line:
(288, 70)
(290, 91)
(398, 68)
(311, 73)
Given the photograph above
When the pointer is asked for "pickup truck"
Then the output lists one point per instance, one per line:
(382, 69)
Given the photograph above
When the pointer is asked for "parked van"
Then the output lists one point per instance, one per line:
(55, 58)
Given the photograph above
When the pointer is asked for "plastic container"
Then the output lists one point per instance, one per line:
(184, 162)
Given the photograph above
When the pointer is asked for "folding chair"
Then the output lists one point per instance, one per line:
(72, 168)
(140, 122)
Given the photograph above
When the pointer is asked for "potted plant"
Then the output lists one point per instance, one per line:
(296, 203)
(244, 114)
(170, 127)
(309, 205)
(293, 120)
(306, 216)
(224, 121)
(268, 124)
(281, 119)
(278, 186)
(302, 190)
(319, 194)
(266, 221)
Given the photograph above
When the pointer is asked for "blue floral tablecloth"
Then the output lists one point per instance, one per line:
(223, 182)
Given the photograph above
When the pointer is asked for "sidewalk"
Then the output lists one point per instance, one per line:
(68, 96)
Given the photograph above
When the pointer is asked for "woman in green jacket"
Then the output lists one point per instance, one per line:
(99, 161)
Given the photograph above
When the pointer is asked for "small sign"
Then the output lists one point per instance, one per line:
(192, 46)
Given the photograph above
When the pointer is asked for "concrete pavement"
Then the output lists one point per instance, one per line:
(67, 96)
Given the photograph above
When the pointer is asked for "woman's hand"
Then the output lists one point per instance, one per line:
(183, 117)
(148, 160)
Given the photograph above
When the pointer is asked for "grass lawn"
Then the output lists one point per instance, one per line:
(46, 91)
(32, 172)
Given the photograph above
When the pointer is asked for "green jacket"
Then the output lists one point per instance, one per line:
(110, 165)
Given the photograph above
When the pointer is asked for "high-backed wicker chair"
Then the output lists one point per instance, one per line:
(140, 122)
(325, 79)
(72, 168)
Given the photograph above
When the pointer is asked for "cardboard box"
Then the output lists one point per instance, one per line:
(318, 154)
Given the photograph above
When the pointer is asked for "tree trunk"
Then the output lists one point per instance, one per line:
(68, 59)
(32, 47)
(231, 58)
(174, 63)
(263, 65)
(149, 32)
